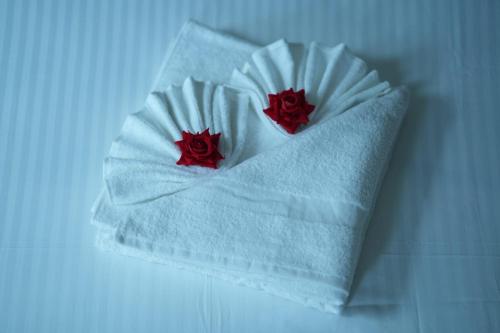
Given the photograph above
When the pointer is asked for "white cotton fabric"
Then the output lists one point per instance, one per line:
(333, 78)
(288, 214)
(141, 164)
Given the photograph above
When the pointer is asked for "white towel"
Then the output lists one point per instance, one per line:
(288, 214)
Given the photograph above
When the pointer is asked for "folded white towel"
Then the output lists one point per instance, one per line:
(288, 214)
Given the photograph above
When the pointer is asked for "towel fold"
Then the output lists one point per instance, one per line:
(286, 214)
(141, 164)
(333, 78)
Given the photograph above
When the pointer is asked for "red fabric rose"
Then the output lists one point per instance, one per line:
(199, 149)
(289, 109)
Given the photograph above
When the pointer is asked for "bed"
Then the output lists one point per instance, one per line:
(70, 71)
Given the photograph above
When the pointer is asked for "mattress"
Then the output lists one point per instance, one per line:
(70, 71)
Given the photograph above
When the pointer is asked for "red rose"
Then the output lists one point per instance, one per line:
(199, 149)
(289, 109)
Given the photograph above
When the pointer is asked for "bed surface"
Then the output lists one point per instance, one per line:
(71, 70)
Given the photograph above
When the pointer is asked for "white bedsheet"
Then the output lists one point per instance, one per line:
(71, 70)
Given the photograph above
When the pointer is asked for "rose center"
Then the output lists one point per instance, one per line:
(199, 146)
(290, 100)
(289, 104)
